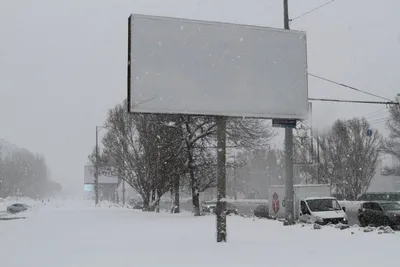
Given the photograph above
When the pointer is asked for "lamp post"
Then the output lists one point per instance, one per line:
(96, 166)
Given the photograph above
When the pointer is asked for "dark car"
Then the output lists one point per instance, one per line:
(261, 211)
(231, 209)
(210, 206)
(379, 213)
(17, 207)
(138, 205)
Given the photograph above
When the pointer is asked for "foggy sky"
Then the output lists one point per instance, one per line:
(63, 63)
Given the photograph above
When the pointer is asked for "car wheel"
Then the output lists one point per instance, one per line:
(386, 221)
(362, 221)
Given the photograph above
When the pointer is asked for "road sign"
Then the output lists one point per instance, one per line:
(284, 123)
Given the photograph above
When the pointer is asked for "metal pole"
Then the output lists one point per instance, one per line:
(96, 172)
(123, 192)
(286, 14)
(288, 148)
(311, 134)
(234, 178)
(221, 179)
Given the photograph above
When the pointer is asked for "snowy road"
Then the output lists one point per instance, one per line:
(76, 234)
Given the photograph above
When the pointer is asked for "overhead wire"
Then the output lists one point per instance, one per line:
(311, 11)
(373, 113)
(348, 86)
(378, 120)
(378, 112)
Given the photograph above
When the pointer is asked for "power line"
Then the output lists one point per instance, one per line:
(312, 10)
(380, 120)
(385, 118)
(369, 114)
(348, 86)
(353, 101)
(375, 113)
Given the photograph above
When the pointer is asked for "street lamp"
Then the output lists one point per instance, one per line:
(96, 172)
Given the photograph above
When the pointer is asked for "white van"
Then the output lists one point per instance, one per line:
(312, 204)
(322, 210)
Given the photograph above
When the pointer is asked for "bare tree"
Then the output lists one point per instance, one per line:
(346, 157)
(152, 153)
(25, 173)
(391, 145)
(140, 149)
(199, 139)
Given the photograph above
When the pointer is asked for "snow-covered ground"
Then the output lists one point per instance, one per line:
(74, 233)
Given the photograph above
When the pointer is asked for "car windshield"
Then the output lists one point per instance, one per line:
(323, 204)
(391, 206)
(394, 197)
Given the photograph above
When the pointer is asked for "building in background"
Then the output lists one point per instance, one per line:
(107, 185)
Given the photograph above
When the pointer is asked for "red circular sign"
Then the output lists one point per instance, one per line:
(275, 202)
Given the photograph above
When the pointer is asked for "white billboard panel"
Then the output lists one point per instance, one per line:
(88, 177)
(210, 68)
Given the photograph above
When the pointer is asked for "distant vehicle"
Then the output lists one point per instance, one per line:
(211, 206)
(149, 208)
(261, 211)
(138, 205)
(17, 207)
(231, 209)
(379, 213)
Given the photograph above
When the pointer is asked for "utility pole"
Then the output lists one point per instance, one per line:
(234, 178)
(289, 216)
(96, 172)
(123, 192)
(221, 179)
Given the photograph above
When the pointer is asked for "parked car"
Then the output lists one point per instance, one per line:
(210, 206)
(149, 208)
(379, 213)
(261, 211)
(138, 205)
(231, 209)
(17, 207)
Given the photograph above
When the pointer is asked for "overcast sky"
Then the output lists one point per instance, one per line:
(63, 63)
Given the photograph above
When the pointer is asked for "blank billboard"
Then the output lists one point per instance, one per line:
(209, 68)
(88, 177)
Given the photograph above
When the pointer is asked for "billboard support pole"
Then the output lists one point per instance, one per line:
(221, 179)
(289, 201)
